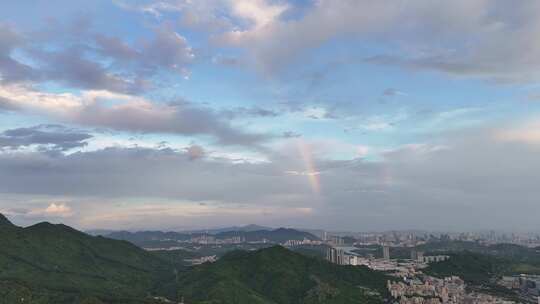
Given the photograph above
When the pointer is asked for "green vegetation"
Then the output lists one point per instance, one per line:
(439, 247)
(56, 264)
(474, 268)
(177, 257)
(48, 263)
(277, 275)
(222, 249)
(316, 251)
(517, 259)
(478, 270)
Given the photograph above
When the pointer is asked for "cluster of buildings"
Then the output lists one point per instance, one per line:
(430, 290)
(433, 258)
(528, 286)
(293, 243)
(206, 239)
(202, 260)
(414, 238)
(394, 238)
(345, 256)
(167, 301)
(529, 240)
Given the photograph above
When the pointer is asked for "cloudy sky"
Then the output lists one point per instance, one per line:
(346, 115)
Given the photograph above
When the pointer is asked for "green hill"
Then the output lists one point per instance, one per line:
(276, 275)
(47, 263)
(159, 239)
(519, 258)
(57, 264)
(472, 267)
(480, 271)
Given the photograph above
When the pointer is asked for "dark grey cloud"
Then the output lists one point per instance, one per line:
(74, 55)
(10, 69)
(180, 118)
(448, 64)
(422, 35)
(70, 67)
(115, 47)
(9, 39)
(134, 114)
(390, 92)
(291, 134)
(144, 172)
(247, 112)
(411, 187)
(48, 137)
(18, 211)
(7, 105)
(166, 50)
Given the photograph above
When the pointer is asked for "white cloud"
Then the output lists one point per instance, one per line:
(315, 113)
(58, 209)
(421, 34)
(260, 12)
(474, 171)
(127, 113)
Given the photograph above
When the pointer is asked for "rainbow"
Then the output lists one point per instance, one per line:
(311, 172)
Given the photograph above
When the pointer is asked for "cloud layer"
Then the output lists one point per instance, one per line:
(353, 114)
(54, 137)
(129, 113)
(412, 188)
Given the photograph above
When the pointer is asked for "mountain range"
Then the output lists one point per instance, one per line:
(47, 263)
(57, 264)
(245, 228)
(148, 239)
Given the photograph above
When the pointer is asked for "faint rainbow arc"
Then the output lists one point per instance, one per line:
(311, 172)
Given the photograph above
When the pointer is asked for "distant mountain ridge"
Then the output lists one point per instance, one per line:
(279, 235)
(154, 238)
(246, 228)
(249, 227)
(54, 263)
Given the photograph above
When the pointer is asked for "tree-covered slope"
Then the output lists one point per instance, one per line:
(47, 260)
(472, 267)
(48, 263)
(480, 271)
(519, 259)
(279, 276)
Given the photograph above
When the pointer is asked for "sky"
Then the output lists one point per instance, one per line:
(354, 115)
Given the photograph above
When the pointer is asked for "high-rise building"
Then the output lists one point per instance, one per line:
(414, 254)
(336, 240)
(386, 252)
(337, 256)
(330, 255)
(420, 256)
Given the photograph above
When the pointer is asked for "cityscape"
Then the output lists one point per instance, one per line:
(402, 255)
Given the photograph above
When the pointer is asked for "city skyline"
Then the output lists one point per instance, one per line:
(338, 115)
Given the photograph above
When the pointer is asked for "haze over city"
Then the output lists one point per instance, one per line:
(338, 115)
